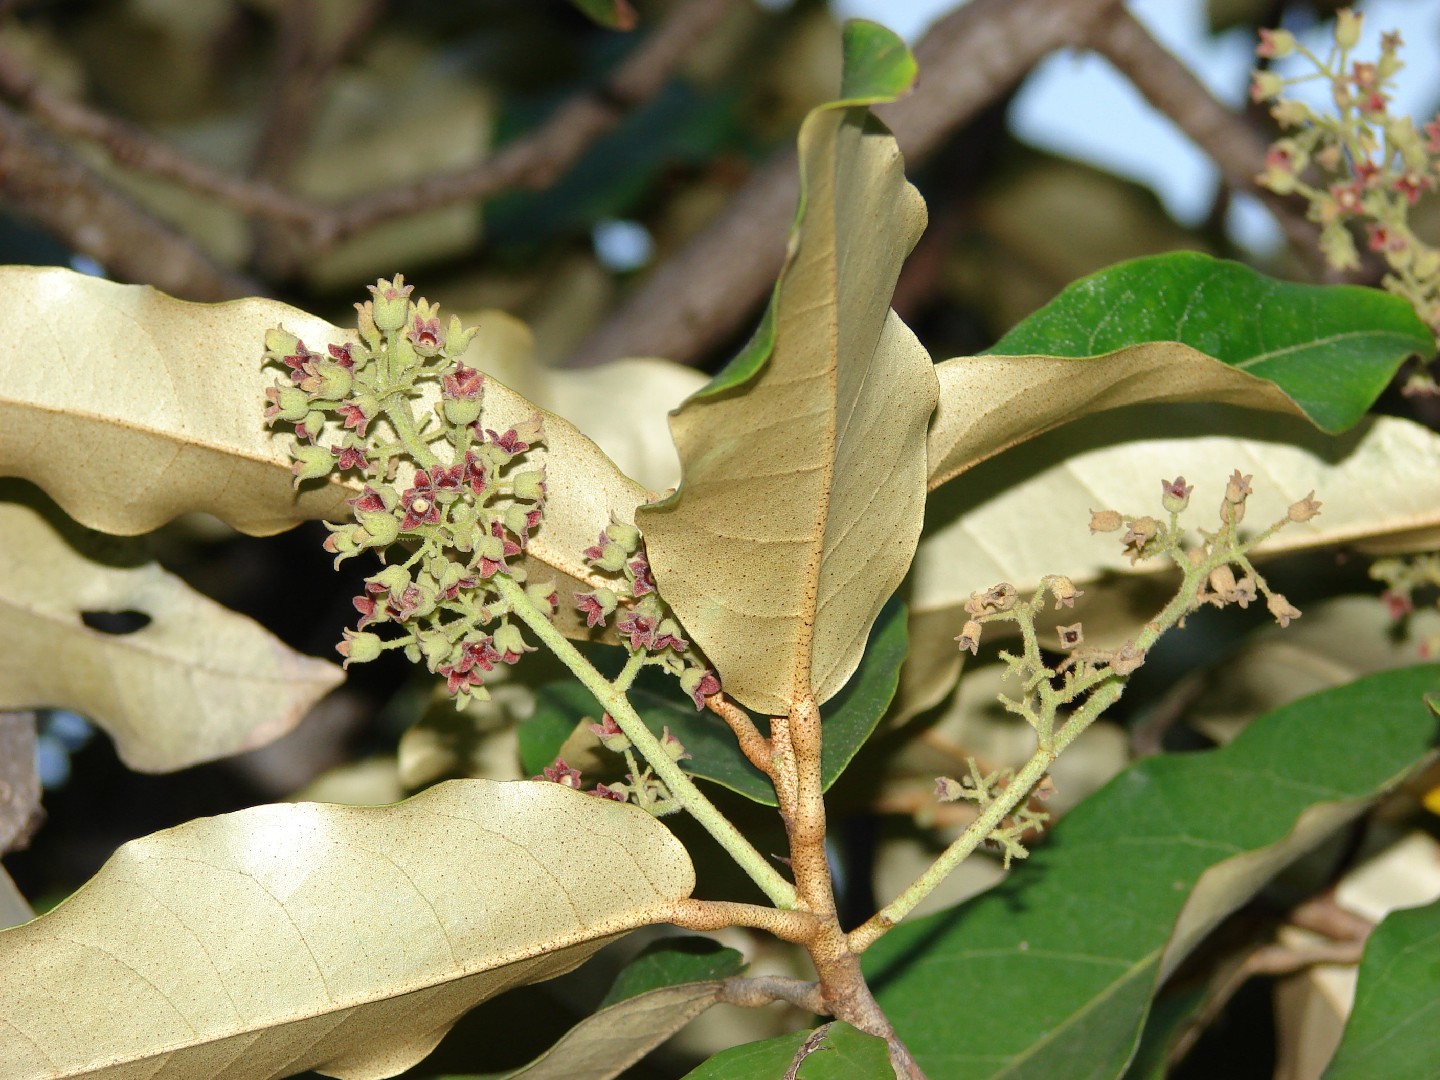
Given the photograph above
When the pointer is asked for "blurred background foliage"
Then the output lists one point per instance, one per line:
(336, 98)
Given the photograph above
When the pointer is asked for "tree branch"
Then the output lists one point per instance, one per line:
(533, 161)
(702, 295)
(48, 184)
(1232, 143)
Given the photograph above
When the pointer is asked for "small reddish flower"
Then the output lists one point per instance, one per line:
(419, 504)
(464, 384)
(1382, 239)
(478, 654)
(450, 481)
(1347, 196)
(342, 356)
(595, 606)
(560, 773)
(603, 791)
(644, 582)
(474, 472)
(355, 419)
(369, 501)
(639, 628)
(510, 442)
(457, 680)
(369, 612)
(350, 457)
(426, 336)
(667, 636)
(1175, 494)
(302, 363)
(708, 685)
(1366, 171)
(1411, 185)
(596, 551)
(1397, 604)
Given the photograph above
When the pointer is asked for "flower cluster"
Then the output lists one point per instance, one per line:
(1362, 167)
(1403, 577)
(985, 789)
(455, 496)
(641, 786)
(642, 620)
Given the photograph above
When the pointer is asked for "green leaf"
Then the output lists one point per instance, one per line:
(1395, 1025)
(1332, 347)
(672, 961)
(877, 66)
(1176, 327)
(846, 1054)
(1068, 952)
(714, 755)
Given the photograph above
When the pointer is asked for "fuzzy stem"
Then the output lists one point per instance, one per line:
(682, 788)
(397, 411)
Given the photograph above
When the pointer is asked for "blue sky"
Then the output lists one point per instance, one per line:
(1077, 105)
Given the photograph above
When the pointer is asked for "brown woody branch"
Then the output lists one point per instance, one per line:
(705, 293)
(530, 162)
(1229, 140)
(755, 746)
(44, 181)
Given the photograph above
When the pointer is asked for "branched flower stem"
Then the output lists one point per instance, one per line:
(614, 701)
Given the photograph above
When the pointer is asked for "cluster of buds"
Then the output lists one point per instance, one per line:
(1403, 577)
(983, 789)
(1361, 167)
(1219, 555)
(640, 786)
(455, 496)
(643, 622)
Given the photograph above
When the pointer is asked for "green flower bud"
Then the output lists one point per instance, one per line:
(1347, 28)
(435, 646)
(335, 382)
(280, 342)
(542, 595)
(381, 529)
(627, 536)
(291, 403)
(459, 412)
(314, 422)
(515, 520)
(459, 337)
(365, 323)
(393, 579)
(359, 647)
(612, 558)
(311, 462)
(529, 486)
(510, 644)
(391, 303)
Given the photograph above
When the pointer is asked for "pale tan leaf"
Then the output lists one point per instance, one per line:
(604, 1045)
(130, 407)
(990, 403)
(621, 405)
(197, 682)
(804, 487)
(1026, 514)
(343, 939)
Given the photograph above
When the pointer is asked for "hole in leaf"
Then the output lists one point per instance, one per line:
(115, 622)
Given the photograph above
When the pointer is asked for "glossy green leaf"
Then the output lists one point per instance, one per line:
(1394, 1029)
(846, 1054)
(672, 961)
(1068, 952)
(850, 717)
(1333, 348)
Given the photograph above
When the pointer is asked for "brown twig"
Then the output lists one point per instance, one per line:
(702, 295)
(1232, 143)
(758, 990)
(755, 746)
(533, 161)
(48, 184)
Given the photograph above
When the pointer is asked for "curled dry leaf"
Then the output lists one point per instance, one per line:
(197, 682)
(343, 939)
(803, 495)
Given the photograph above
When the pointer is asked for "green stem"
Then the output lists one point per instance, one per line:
(1016, 792)
(682, 788)
(397, 411)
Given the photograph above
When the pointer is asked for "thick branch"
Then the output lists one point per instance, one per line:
(1232, 143)
(46, 183)
(530, 162)
(706, 292)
